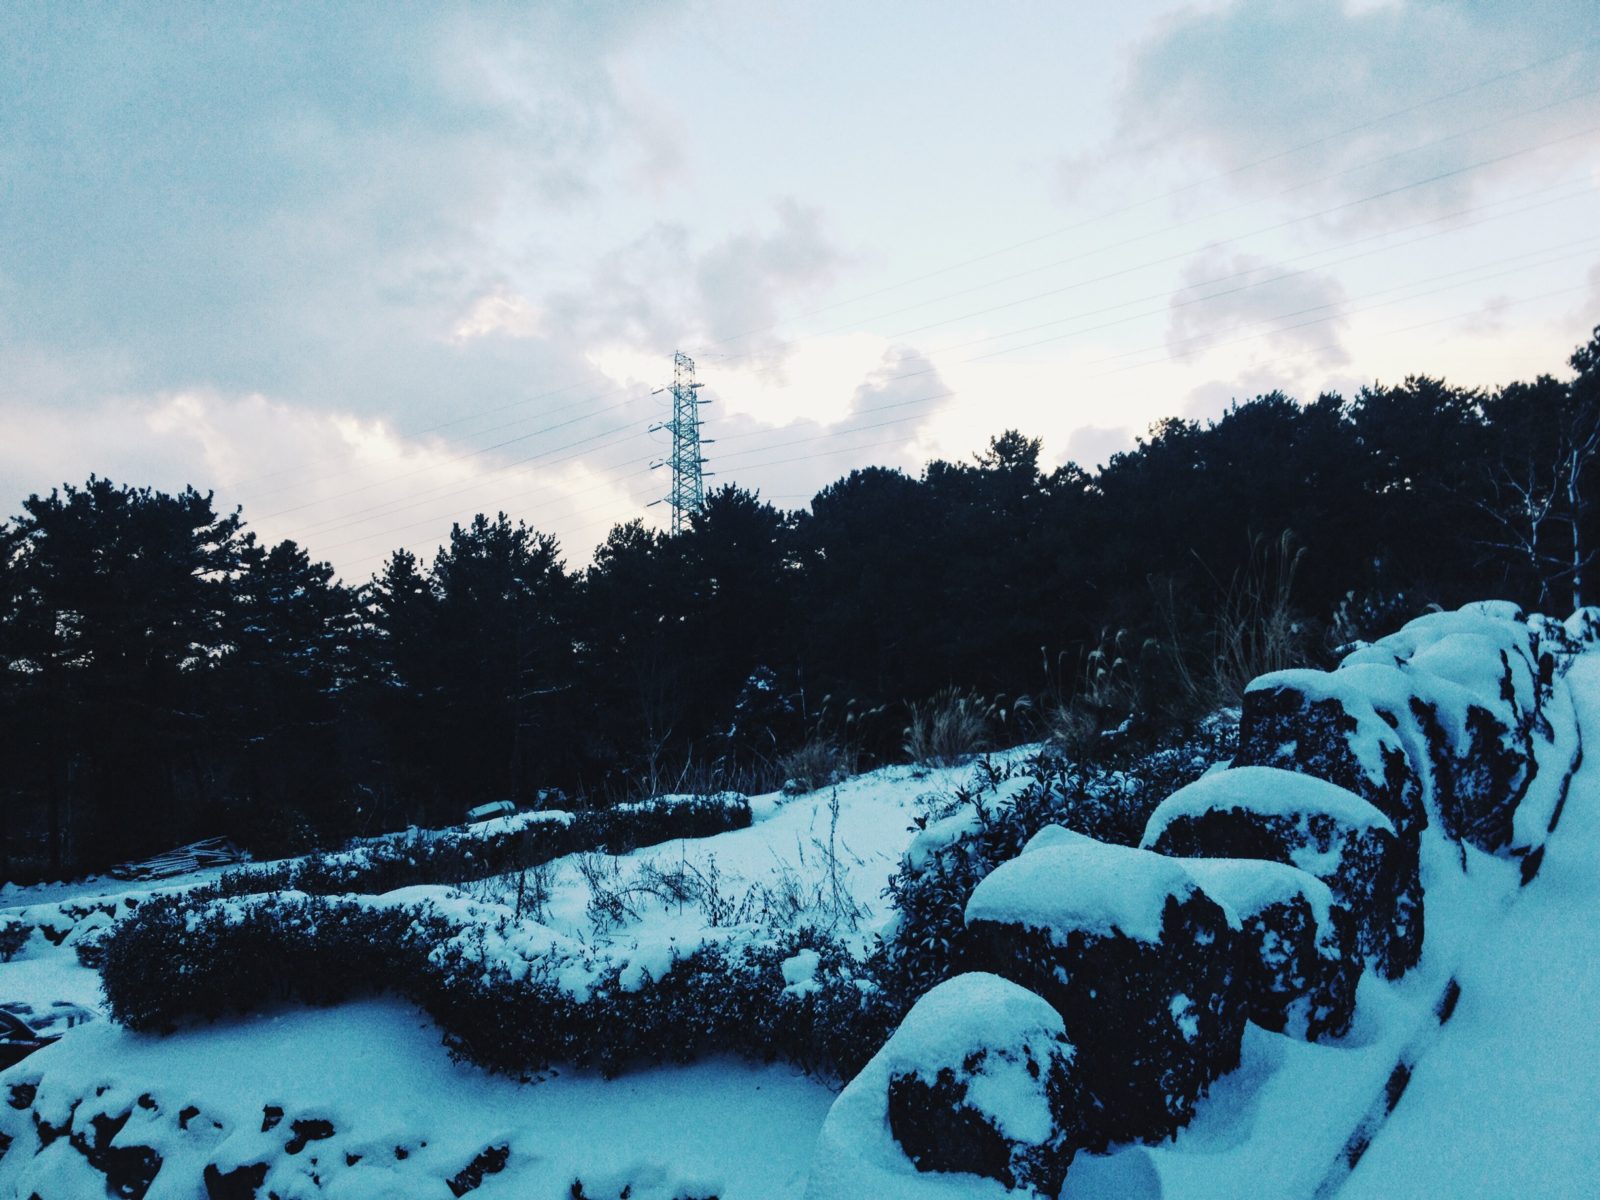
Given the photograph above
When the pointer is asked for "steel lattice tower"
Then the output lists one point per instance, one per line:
(688, 474)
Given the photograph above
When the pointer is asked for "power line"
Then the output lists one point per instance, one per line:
(1345, 206)
(1478, 277)
(991, 254)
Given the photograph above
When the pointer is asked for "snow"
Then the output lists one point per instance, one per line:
(1245, 886)
(857, 1158)
(978, 1011)
(1088, 885)
(376, 1070)
(1056, 835)
(800, 972)
(1504, 1104)
(1269, 791)
(1501, 1100)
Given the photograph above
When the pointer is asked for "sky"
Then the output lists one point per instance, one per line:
(368, 269)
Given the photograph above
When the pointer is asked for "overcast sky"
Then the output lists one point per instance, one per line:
(368, 269)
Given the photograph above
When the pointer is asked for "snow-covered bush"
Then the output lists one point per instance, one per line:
(994, 817)
(493, 848)
(1583, 626)
(1135, 957)
(510, 995)
(1481, 697)
(1305, 822)
(981, 1080)
(1309, 723)
(77, 923)
(1294, 948)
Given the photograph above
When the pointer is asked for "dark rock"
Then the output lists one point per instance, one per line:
(21, 1095)
(1294, 946)
(241, 1183)
(491, 1160)
(1281, 816)
(1145, 988)
(271, 1115)
(312, 1130)
(968, 1040)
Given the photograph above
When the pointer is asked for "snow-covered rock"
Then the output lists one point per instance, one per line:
(1294, 947)
(1305, 822)
(980, 1080)
(1138, 962)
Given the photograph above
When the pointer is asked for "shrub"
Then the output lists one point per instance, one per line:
(456, 856)
(504, 1000)
(14, 935)
(1109, 800)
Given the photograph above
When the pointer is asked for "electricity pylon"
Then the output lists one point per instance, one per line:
(688, 474)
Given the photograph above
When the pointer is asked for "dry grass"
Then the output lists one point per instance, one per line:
(821, 762)
(1255, 629)
(948, 729)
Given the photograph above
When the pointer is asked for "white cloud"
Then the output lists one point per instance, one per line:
(499, 311)
(1294, 312)
(349, 489)
(1382, 92)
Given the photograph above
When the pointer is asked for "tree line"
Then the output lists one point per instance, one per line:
(165, 675)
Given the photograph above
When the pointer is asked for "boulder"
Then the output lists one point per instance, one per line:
(981, 1080)
(1137, 960)
(1294, 947)
(1315, 723)
(1306, 822)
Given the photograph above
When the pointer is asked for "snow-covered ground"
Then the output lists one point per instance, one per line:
(1501, 1099)
(377, 1071)
(1507, 1102)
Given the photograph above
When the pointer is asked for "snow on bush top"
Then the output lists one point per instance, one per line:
(1246, 886)
(1584, 624)
(1056, 835)
(1515, 638)
(964, 1017)
(1372, 735)
(1498, 610)
(1269, 791)
(1086, 885)
(940, 835)
(685, 799)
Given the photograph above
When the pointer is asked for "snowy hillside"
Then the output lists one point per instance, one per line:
(1483, 1049)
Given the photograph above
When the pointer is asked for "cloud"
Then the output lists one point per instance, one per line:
(661, 290)
(1091, 446)
(280, 199)
(1231, 84)
(1299, 313)
(357, 489)
(884, 413)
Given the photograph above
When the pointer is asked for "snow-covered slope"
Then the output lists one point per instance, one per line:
(1500, 1101)
(1507, 1101)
